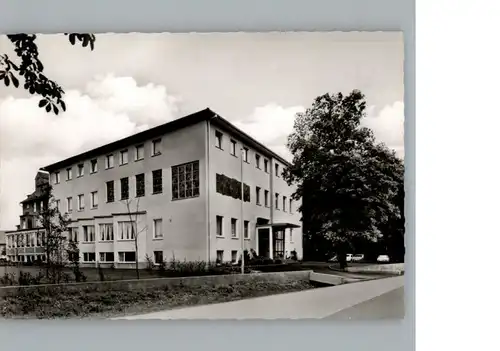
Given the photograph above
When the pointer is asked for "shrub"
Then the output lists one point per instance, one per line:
(8, 279)
(150, 263)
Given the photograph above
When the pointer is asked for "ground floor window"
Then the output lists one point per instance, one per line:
(234, 256)
(89, 257)
(107, 256)
(158, 257)
(220, 256)
(127, 256)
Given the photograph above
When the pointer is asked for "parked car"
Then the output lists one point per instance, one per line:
(348, 258)
(358, 257)
(383, 258)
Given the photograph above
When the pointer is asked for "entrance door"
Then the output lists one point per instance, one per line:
(264, 242)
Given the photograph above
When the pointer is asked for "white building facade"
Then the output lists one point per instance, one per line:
(173, 191)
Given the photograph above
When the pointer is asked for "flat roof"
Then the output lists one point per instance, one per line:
(194, 118)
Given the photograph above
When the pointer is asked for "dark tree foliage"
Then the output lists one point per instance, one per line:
(349, 183)
(28, 66)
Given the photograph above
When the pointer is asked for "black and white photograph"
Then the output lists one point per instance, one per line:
(202, 176)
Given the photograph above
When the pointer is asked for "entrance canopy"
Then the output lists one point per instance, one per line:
(278, 226)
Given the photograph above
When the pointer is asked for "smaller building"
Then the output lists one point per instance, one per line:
(25, 243)
(3, 245)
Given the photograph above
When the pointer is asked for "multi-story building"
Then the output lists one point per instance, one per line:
(175, 191)
(25, 243)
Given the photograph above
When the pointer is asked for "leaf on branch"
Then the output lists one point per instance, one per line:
(72, 38)
(56, 110)
(42, 103)
(63, 105)
(15, 81)
(48, 108)
(6, 80)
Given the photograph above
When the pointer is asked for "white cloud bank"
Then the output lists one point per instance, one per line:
(108, 109)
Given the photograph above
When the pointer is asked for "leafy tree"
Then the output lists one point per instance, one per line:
(133, 215)
(29, 66)
(73, 254)
(53, 228)
(347, 181)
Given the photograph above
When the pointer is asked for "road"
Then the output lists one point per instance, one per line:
(371, 299)
(390, 305)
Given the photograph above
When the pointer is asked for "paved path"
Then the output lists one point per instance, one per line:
(390, 305)
(317, 303)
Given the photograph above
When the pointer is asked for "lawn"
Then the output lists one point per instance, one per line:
(109, 303)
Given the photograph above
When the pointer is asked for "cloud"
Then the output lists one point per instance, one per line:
(388, 125)
(271, 124)
(109, 108)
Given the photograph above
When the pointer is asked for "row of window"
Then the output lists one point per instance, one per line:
(185, 184)
(286, 204)
(126, 231)
(37, 206)
(110, 161)
(219, 227)
(220, 256)
(219, 143)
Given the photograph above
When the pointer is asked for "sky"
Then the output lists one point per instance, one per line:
(132, 82)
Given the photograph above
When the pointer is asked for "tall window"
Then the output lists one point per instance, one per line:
(245, 227)
(124, 188)
(107, 256)
(88, 233)
(245, 154)
(186, 180)
(157, 182)
(93, 166)
(290, 208)
(58, 204)
(218, 226)
(123, 157)
(266, 198)
(158, 228)
(276, 201)
(257, 195)
(156, 147)
(106, 231)
(234, 223)
(233, 147)
(234, 256)
(80, 170)
(73, 234)
(93, 199)
(69, 173)
(89, 257)
(126, 256)
(277, 169)
(218, 139)
(158, 255)
(266, 166)
(257, 160)
(34, 207)
(139, 152)
(69, 204)
(220, 256)
(110, 161)
(127, 230)
(284, 203)
(139, 185)
(57, 178)
(81, 202)
(110, 191)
